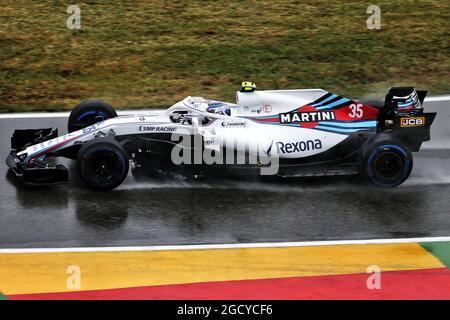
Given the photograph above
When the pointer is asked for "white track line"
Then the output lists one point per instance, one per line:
(32, 115)
(227, 246)
(438, 98)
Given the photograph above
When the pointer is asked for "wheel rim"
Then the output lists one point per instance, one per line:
(105, 166)
(388, 165)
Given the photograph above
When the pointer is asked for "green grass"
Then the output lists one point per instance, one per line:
(153, 53)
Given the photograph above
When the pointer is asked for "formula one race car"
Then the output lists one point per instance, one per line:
(288, 133)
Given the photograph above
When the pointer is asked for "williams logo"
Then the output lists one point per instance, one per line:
(299, 146)
(234, 124)
(412, 122)
(307, 116)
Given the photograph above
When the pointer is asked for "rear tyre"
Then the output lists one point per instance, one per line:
(387, 163)
(88, 113)
(102, 164)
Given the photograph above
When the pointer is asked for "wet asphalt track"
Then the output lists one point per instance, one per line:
(142, 212)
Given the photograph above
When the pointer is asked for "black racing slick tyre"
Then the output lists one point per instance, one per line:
(102, 164)
(88, 113)
(387, 163)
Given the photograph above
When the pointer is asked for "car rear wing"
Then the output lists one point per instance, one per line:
(404, 117)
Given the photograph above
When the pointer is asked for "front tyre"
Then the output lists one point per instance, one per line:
(387, 164)
(88, 113)
(102, 164)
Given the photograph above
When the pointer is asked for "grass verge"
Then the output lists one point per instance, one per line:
(153, 53)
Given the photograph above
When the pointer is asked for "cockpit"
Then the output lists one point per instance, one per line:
(197, 107)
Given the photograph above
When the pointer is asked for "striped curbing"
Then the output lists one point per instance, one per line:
(411, 284)
(440, 250)
(174, 273)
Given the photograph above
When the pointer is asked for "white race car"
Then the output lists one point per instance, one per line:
(288, 133)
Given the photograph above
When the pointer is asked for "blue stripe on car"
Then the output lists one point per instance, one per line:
(363, 124)
(326, 100)
(343, 130)
(338, 102)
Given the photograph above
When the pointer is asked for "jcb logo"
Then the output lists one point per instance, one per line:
(412, 122)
